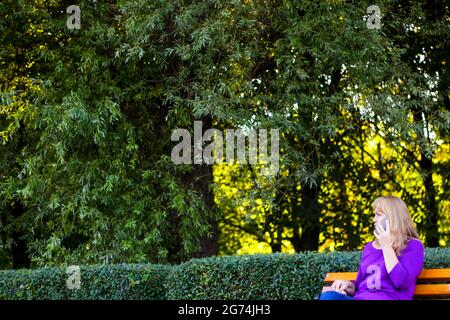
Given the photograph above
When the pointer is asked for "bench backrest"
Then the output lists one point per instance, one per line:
(440, 278)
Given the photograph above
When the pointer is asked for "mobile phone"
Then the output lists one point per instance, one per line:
(383, 223)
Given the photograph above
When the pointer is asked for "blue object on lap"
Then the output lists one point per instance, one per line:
(333, 295)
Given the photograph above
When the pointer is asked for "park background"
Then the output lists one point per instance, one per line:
(86, 117)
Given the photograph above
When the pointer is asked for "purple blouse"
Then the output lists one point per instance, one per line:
(374, 283)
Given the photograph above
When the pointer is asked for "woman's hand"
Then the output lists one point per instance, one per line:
(343, 286)
(384, 237)
(385, 242)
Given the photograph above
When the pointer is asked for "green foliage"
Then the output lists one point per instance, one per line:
(336, 89)
(108, 282)
(96, 184)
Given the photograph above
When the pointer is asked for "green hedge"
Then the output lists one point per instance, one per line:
(105, 282)
(273, 276)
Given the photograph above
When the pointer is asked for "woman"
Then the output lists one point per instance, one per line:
(389, 265)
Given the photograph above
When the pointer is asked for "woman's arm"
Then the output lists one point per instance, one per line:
(390, 258)
(409, 266)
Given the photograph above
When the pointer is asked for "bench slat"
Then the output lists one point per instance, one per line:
(332, 276)
(426, 274)
(428, 290)
(435, 274)
(432, 290)
(422, 290)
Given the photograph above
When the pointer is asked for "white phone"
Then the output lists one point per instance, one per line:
(383, 223)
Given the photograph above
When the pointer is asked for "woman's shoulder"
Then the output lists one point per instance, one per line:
(368, 246)
(414, 249)
(414, 244)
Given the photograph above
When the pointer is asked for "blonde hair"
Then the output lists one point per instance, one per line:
(401, 226)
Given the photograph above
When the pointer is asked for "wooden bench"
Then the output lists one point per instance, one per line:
(439, 288)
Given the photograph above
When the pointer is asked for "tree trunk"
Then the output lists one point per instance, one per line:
(275, 246)
(430, 224)
(310, 212)
(200, 179)
(209, 243)
(432, 213)
(19, 254)
(296, 239)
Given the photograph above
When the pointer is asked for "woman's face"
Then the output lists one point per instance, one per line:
(378, 216)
